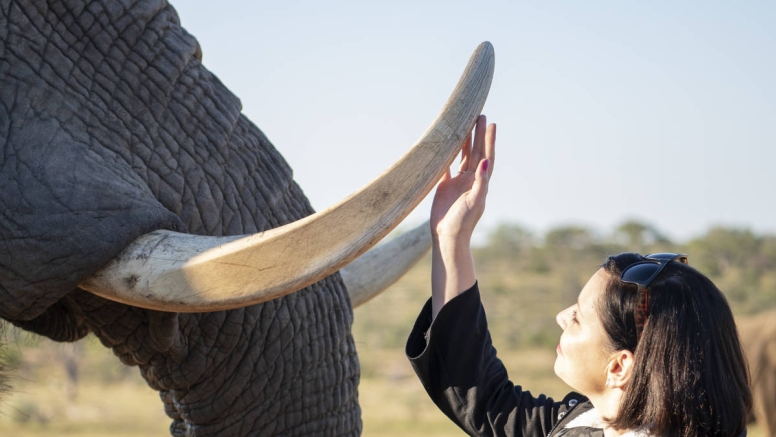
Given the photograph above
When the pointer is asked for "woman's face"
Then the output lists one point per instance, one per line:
(583, 351)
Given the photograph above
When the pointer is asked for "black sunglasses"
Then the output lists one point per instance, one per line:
(642, 274)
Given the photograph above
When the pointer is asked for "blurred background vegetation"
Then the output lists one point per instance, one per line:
(82, 389)
(526, 278)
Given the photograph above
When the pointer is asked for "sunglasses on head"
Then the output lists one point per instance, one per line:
(642, 274)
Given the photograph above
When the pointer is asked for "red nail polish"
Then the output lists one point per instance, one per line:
(485, 165)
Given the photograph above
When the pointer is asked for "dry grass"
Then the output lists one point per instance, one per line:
(40, 407)
(395, 404)
(112, 401)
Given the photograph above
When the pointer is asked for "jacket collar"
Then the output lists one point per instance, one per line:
(591, 419)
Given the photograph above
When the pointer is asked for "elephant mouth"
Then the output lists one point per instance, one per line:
(178, 272)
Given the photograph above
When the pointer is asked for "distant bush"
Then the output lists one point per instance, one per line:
(527, 278)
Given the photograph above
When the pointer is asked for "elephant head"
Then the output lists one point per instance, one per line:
(119, 150)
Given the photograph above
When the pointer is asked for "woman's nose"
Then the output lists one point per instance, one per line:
(561, 319)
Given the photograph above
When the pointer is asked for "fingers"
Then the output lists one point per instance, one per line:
(484, 151)
(482, 178)
(479, 189)
(483, 171)
(490, 147)
(445, 176)
(466, 149)
(484, 145)
(481, 147)
(478, 145)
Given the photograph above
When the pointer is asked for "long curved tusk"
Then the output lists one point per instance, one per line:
(373, 272)
(170, 271)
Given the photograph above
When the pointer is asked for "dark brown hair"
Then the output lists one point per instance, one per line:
(690, 376)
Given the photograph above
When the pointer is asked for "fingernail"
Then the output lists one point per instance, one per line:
(485, 165)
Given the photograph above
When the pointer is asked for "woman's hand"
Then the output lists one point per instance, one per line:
(458, 205)
(460, 200)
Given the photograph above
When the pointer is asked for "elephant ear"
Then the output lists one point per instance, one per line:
(66, 209)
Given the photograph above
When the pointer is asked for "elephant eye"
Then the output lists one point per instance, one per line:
(198, 52)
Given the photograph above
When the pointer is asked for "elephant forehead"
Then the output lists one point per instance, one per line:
(114, 129)
(129, 81)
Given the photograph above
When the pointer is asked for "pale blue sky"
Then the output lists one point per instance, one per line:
(661, 111)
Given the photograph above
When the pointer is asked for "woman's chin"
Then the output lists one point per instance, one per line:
(557, 368)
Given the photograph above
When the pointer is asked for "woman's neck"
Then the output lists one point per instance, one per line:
(607, 403)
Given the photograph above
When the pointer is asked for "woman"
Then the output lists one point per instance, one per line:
(650, 347)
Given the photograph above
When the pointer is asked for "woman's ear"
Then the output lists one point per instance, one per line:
(620, 369)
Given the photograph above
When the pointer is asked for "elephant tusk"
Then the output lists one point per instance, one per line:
(373, 272)
(169, 271)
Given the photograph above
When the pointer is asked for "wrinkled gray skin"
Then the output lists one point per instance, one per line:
(758, 335)
(110, 127)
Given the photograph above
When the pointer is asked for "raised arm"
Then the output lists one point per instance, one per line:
(458, 205)
(450, 347)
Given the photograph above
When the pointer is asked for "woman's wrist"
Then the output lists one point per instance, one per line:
(452, 241)
(452, 270)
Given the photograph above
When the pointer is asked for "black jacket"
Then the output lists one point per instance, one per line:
(460, 371)
(457, 364)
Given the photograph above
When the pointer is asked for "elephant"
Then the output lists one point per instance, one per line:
(120, 152)
(758, 335)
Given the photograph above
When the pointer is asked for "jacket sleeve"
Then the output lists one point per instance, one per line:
(457, 365)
